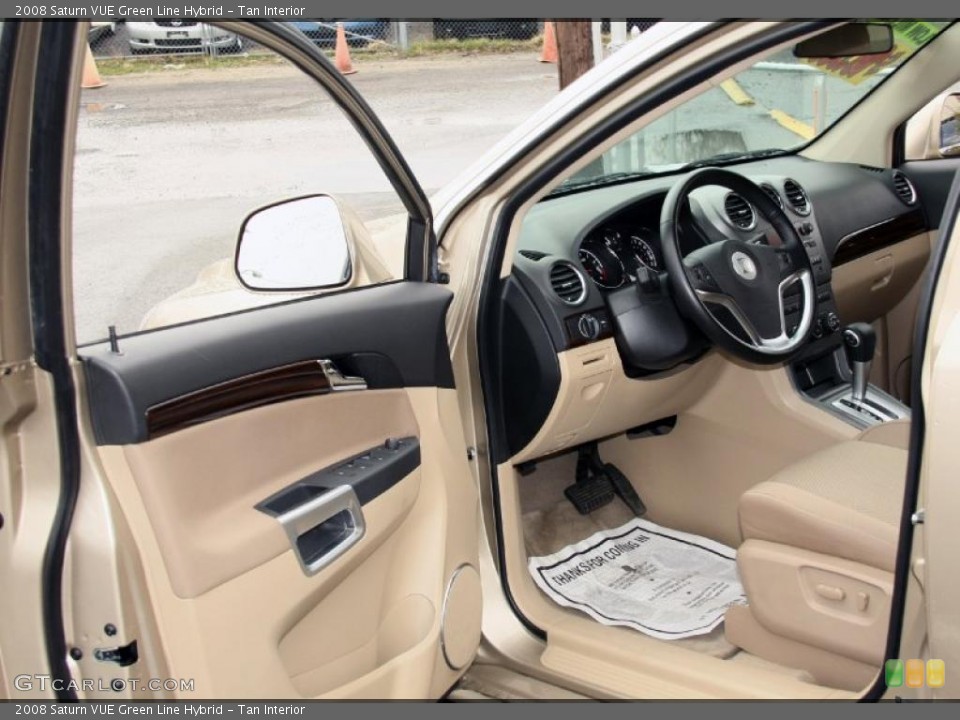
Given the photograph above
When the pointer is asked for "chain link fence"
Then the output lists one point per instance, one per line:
(124, 39)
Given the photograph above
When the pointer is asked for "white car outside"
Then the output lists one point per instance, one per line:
(180, 36)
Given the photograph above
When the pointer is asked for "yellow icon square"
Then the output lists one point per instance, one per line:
(914, 675)
(936, 673)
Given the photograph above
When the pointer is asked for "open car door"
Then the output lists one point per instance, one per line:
(274, 503)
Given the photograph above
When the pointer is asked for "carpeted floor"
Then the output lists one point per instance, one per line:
(550, 523)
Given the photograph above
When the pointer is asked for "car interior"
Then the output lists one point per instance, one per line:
(339, 495)
(773, 419)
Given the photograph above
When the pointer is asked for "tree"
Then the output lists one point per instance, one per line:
(574, 48)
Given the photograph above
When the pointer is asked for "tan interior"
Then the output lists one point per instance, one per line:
(737, 427)
(375, 622)
(883, 288)
(200, 490)
(208, 587)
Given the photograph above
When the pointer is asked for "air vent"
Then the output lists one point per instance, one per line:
(772, 192)
(797, 197)
(904, 188)
(739, 212)
(533, 255)
(568, 283)
(871, 168)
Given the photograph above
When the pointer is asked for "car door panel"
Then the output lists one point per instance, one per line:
(208, 449)
(234, 606)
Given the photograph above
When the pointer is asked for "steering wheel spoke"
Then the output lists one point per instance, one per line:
(735, 311)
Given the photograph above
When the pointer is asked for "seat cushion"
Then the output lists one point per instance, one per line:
(844, 501)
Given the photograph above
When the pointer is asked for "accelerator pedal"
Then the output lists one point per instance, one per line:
(624, 489)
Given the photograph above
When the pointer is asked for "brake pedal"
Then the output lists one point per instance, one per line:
(592, 490)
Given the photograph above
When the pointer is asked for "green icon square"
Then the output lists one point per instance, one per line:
(893, 672)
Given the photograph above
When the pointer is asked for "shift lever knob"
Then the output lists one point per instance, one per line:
(861, 342)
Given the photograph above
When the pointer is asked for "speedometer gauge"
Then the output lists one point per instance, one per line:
(603, 267)
(642, 253)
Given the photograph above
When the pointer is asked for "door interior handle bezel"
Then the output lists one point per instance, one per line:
(309, 516)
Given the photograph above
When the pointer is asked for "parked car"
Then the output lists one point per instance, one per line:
(181, 36)
(358, 32)
(514, 29)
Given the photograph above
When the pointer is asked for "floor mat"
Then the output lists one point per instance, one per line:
(661, 582)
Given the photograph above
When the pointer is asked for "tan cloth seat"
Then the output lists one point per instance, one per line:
(844, 501)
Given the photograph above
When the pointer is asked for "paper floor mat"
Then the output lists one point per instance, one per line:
(662, 582)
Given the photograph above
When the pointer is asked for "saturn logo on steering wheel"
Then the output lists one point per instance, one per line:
(744, 265)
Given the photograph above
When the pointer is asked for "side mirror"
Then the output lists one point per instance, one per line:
(949, 140)
(850, 40)
(294, 245)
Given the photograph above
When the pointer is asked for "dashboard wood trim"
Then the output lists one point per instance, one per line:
(876, 237)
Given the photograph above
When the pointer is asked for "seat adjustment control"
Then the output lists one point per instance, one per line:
(830, 592)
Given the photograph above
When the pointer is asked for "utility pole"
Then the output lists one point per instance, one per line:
(575, 49)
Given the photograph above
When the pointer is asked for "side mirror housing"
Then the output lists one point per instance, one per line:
(299, 244)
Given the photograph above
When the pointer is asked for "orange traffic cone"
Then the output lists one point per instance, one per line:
(342, 52)
(549, 52)
(91, 76)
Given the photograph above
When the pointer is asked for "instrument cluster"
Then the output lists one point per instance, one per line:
(611, 255)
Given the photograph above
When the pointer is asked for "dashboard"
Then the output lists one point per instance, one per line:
(578, 255)
(577, 250)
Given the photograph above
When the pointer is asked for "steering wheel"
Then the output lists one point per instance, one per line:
(733, 282)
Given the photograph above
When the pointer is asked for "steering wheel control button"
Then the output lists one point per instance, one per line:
(703, 277)
(833, 322)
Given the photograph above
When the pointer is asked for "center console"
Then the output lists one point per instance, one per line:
(836, 377)
(833, 371)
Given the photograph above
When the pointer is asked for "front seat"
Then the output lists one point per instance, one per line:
(817, 562)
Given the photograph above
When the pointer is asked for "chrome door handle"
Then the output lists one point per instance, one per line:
(324, 528)
(338, 381)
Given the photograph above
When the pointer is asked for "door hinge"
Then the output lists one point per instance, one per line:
(122, 656)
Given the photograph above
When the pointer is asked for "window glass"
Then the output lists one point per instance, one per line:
(173, 156)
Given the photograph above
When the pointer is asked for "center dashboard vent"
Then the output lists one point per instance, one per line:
(904, 188)
(797, 197)
(568, 283)
(739, 212)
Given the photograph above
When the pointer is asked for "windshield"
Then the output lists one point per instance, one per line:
(775, 106)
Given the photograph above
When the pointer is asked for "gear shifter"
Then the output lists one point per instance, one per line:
(860, 341)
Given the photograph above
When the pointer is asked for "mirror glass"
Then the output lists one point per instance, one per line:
(850, 40)
(298, 244)
(950, 126)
